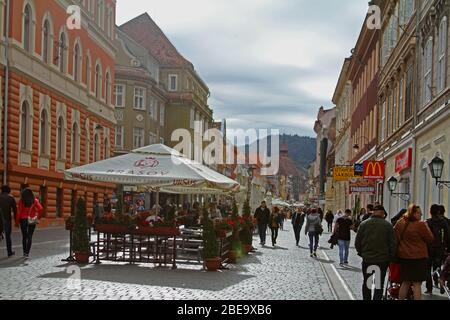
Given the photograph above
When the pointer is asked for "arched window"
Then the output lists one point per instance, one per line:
(75, 143)
(60, 139)
(46, 42)
(88, 73)
(76, 63)
(108, 89)
(43, 129)
(96, 148)
(62, 49)
(98, 88)
(442, 53)
(24, 126)
(106, 149)
(27, 22)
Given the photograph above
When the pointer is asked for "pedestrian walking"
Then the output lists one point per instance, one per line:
(262, 216)
(361, 214)
(438, 247)
(369, 212)
(28, 215)
(342, 230)
(275, 222)
(321, 214)
(8, 211)
(329, 218)
(413, 236)
(375, 243)
(338, 215)
(314, 231)
(298, 219)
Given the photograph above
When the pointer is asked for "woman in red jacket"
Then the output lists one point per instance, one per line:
(29, 212)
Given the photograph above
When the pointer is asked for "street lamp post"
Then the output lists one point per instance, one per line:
(436, 167)
(392, 185)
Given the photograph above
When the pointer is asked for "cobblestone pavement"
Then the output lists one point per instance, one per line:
(352, 274)
(281, 273)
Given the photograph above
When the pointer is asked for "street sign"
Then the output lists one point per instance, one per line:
(343, 173)
(363, 187)
(359, 170)
(373, 170)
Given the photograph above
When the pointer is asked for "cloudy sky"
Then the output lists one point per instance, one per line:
(268, 63)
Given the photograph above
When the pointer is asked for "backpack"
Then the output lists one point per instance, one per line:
(440, 234)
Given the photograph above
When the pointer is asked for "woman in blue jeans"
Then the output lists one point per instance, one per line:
(313, 224)
(342, 230)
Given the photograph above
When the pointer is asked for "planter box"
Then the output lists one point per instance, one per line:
(158, 231)
(112, 228)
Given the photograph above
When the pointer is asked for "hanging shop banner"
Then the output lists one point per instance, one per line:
(373, 170)
(359, 170)
(363, 187)
(403, 161)
(343, 173)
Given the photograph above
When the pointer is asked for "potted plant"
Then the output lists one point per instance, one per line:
(236, 245)
(210, 244)
(247, 229)
(80, 234)
(69, 223)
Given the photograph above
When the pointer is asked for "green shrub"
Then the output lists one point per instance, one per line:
(210, 244)
(80, 229)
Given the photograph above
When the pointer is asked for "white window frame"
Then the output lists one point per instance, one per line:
(119, 136)
(401, 107)
(383, 121)
(123, 95)
(75, 158)
(140, 97)
(171, 76)
(442, 54)
(161, 114)
(138, 133)
(428, 71)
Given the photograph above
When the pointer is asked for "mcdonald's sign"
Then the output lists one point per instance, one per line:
(374, 170)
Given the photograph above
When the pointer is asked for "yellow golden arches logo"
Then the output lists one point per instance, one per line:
(373, 170)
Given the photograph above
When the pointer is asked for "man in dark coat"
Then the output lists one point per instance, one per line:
(262, 215)
(8, 210)
(298, 219)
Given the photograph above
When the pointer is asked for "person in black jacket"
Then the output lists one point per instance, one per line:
(8, 210)
(262, 215)
(329, 218)
(398, 216)
(438, 247)
(298, 219)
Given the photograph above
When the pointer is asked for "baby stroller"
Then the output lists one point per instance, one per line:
(394, 283)
(444, 277)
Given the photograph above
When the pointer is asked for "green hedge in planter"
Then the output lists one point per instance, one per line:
(210, 244)
(80, 228)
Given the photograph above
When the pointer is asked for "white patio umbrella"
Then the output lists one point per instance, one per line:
(279, 202)
(156, 168)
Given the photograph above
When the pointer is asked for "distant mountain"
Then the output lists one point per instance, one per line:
(302, 150)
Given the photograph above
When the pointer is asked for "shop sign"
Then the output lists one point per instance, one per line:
(403, 161)
(343, 173)
(373, 170)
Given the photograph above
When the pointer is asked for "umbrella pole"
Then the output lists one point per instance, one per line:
(157, 201)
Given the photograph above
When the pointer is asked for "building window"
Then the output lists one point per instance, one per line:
(383, 121)
(27, 31)
(62, 50)
(394, 111)
(173, 82)
(427, 71)
(119, 136)
(59, 202)
(25, 124)
(106, 148)
(108, 89)
(442, 53)
(192, 118)
(138, 137)
(161, 114)
(139, 98)
(46, 42)
(119, 93)
(76, 63)
(88, 74)
(43, 129)
(409, 92)
(60, 139)
(98, 81)
(43, 198)
(75, 143)
(401, 108)
(96, 148)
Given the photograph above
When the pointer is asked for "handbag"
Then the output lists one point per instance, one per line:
(33, 220)
(319, 229)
